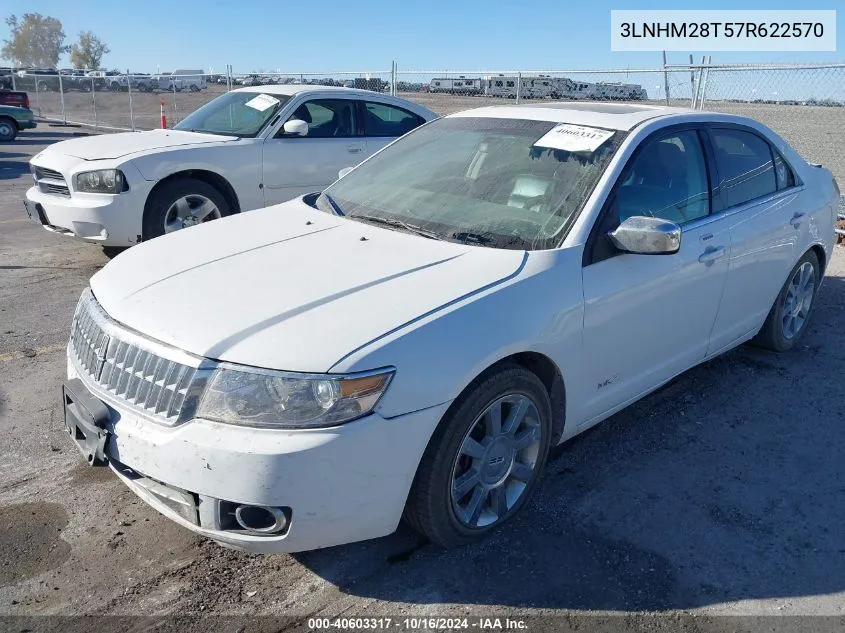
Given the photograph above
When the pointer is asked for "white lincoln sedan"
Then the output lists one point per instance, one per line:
(248, 148)
(413, 340)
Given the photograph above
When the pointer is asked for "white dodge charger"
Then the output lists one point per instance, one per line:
(413, 340)
(248, 148)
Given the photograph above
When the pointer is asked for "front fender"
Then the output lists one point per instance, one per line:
(436, 358)
(239, 164)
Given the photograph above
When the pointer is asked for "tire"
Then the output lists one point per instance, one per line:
(439, 513)
(784, 328)
(8, 130)
(85, 86)
(113, 251)
(163, 199)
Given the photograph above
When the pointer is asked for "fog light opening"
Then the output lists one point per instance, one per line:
(260, 519)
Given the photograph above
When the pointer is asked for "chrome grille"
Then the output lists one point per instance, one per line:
(126, 366)
(51, 181)
(43, 172)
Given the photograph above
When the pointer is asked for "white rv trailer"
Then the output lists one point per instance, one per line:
(530, 86)
(544, 86)
(456, 85)
(616, 92)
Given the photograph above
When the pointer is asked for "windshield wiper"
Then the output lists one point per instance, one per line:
(199, 131)
(468, 237)
(334, 205)
(399, 224)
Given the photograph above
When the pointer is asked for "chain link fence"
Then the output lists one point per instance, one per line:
(135, 101)
(803, 103)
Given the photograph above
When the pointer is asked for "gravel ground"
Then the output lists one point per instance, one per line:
(720, 495)
(815, 131)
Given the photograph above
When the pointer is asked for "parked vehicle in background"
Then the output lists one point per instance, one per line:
(248, 148)
(412, 341)
(6, 81)
(370, 83)
(39, 79)
(14, 98)
(546, 86)
(457, 85)
(14, 119)
(183, 79)
(142, 82)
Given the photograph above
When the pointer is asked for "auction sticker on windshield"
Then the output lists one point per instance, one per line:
(574, 138)
(262, 102)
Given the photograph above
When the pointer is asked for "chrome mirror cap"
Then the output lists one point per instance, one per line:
(647, 236)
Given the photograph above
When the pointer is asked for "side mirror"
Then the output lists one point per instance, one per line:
(647, 236)
(344, 171)
(296, 127)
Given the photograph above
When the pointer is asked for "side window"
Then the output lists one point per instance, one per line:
(381, 119)
(667, 179)
(783, 172)
(746, 169)
(326, 118)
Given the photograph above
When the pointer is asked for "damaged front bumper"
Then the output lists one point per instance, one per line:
(322, 487)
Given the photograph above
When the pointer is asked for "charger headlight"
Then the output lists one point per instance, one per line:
(285, 400)
(100, 181)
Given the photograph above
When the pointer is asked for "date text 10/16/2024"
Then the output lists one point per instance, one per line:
(417, 623)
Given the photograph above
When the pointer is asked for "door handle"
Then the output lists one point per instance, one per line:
(354, 149)
(711, 254)
(795, 221)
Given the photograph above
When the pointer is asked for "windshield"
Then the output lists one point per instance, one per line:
(474, 180)
(241, 114)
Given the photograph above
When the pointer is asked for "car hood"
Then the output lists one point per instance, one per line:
(105, 146)
(289, 287)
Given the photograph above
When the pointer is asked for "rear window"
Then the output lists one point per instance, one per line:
(385, 120)
(746, 168)
(19, 99)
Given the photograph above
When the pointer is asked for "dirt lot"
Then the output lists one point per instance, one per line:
(815, 131)
(721, 495)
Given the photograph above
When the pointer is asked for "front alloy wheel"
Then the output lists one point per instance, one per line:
(181, 203)
(496, 461)
(189, 211)
(484, 458)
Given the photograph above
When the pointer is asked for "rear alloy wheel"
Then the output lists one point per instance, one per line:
(788, 317)
(8, 130)
(181, 204)
(484, 459)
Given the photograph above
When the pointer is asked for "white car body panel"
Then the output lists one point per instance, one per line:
(111, 146)
(292, 288)
(261, 171)
(267, 328)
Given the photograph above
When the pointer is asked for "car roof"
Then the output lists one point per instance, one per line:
(293, 89)
(614, 116)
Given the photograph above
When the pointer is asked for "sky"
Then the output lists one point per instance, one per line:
(337, 35)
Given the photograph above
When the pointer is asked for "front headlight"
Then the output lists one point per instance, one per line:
(100, 181)
(284, 400)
